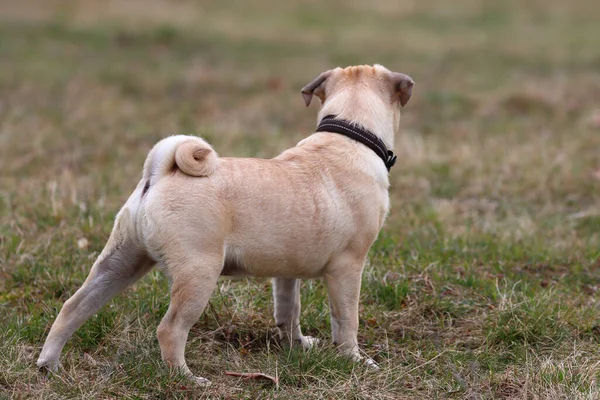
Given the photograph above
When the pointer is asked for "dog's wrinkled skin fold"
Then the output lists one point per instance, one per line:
(313, 211)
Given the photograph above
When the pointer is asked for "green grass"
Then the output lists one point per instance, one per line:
(484, 282)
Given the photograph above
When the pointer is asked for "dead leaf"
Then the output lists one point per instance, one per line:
(253, 375)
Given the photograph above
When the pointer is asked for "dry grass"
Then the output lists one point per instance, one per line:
(484, 283)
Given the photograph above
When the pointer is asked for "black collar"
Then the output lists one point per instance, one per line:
(356, 132)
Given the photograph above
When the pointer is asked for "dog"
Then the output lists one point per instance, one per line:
(313, 211)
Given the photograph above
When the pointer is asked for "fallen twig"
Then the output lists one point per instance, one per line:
(253, 375)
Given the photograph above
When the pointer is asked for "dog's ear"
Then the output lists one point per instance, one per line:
(315, 87)
(403, 85)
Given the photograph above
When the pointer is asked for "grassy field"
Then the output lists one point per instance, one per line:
(485, 281)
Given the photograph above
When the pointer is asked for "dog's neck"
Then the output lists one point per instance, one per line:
(332, 124)
(366, 110)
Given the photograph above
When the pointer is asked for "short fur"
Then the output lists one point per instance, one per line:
(313, 211)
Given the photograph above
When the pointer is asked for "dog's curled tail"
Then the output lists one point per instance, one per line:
(196, 158)
(190, 154)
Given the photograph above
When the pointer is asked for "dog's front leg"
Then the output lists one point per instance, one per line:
(343, 279)
(286, 295)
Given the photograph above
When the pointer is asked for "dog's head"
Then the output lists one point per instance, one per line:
(394, 86)
(368, 95)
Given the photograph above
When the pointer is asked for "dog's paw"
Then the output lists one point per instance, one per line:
(47, 370)
(308, 342)
(203, 382)
(371, 364)
(45, 366)
(366, 361)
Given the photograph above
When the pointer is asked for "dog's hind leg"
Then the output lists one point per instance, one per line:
(194, 277)
(121, 263)
(286, 295)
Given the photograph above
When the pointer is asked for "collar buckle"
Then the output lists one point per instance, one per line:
(391, 159)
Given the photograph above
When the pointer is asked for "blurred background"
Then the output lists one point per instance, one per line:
(498, 168)
(504, 122)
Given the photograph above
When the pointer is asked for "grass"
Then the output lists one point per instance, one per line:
(484, 282)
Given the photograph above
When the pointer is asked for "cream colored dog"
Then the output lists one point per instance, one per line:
(313, 211)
